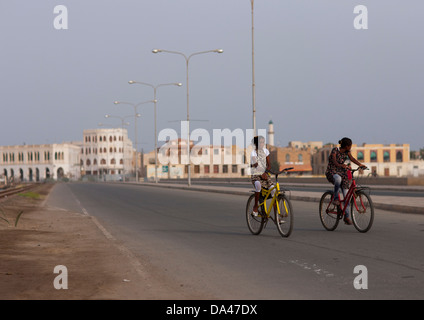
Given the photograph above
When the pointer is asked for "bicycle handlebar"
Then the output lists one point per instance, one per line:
(282, 171)
(359, 168)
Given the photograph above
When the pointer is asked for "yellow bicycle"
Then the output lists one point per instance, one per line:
(283, 212)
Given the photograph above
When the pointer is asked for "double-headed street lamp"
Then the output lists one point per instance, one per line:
(155, 101)
(187, 59)
(136, 115)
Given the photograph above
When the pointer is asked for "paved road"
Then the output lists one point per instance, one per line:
(200, 241)
(381, 190)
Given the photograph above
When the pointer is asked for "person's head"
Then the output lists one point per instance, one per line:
(259, 142)
(345, 143)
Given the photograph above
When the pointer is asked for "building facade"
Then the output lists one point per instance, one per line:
(34, 163)
(107, 153)
(390, 160)
(206, 161)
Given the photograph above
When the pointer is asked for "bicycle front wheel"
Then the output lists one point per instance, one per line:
(254, 223)
(328, 212)
(362, 210)
(284, 219)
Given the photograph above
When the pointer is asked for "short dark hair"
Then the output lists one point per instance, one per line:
(345, 142)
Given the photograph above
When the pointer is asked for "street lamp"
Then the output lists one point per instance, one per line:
(136, 115)
(187, 59)
(155, 99)
(253, 74)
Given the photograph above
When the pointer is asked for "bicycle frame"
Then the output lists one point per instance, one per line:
(266, 193)
(347, 199)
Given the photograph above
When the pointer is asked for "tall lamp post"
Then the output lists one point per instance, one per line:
(155, 102)
(187, 59)
(253, 73)
(136, 115)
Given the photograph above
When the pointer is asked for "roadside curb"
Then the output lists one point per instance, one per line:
(377, 205)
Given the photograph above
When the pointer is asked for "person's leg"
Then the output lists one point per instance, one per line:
(348, 205)
(257, 185)
(337, 183)
(346, 217)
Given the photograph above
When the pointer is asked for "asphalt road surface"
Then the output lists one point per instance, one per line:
(201, 241)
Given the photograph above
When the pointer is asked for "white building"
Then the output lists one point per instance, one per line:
(107, 153)
(28, 163)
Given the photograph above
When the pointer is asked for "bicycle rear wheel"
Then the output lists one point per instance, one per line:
(254, 223)
(328, 212)
(362, 210)
(284, 220)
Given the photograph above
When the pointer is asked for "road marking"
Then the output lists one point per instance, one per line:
(310, 267)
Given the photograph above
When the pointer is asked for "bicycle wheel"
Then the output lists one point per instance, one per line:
(328, 212)
(254, 223)
(362, 210)
(284, 220)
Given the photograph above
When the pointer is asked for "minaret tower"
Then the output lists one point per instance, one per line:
(270, 133)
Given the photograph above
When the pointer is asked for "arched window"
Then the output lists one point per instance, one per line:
(386, 156)
(373, 156)
(113, 161)
(103, 161)
(287, 157)
(360, 155)
(300, 158)
(399, 156)
(88, 162)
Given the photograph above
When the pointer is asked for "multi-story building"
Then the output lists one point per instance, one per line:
(107, 153)
(33, 163)
(297, 158)
(383, 160)
(206, 161)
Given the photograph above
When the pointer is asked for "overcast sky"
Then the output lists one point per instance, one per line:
(317, 77)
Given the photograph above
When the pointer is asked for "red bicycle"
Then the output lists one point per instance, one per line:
(361, 207)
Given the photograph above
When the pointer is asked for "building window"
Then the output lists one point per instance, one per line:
(360, 155)
(287, 158)
(196, 169)
(373, 156)
(225, 168)
(234, 168)
(399, 156)
(386, 156)
(215, 168)
(300, 158)
(206, 168)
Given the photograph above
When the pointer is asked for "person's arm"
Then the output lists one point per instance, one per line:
(268, 167)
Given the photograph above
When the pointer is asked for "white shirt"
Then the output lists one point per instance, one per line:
(260, 160)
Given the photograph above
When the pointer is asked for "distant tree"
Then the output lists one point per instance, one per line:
(275, 166)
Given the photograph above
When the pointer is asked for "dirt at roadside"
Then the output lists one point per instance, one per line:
(98, 267)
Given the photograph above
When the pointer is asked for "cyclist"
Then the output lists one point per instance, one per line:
(260, 163)
(337, 171)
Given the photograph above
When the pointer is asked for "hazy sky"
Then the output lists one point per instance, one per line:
(317, 77)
